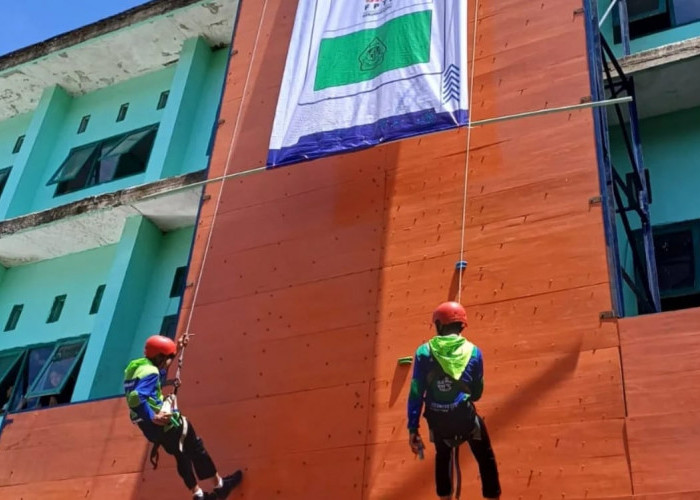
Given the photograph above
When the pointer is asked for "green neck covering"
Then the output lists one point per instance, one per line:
(452, 352)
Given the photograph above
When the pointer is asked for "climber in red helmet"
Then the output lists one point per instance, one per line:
(448, 377)
(164, 426)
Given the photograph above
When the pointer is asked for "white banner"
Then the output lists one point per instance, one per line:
(362, 72)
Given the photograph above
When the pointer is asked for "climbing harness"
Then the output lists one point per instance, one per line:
(169, 406)
(454, 443)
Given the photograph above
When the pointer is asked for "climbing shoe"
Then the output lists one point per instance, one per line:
(229, 483)
(208, 495)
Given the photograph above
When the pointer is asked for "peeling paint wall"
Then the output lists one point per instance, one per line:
(187, 127)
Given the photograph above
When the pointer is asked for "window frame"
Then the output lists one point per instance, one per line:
(163, 99)
(33, 393)
(83, 125)
(17, 353)
(59, 301)
(4, 177)
(19, 142)
(178, 286)
(17, 363)
(693, 226)
(97, 299)
(94, 159)
(123, 110)
(169, 319)
(19, 314)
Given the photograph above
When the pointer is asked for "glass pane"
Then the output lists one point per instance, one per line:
(686, 11)
(675, 261)
(108, 162)
(129, 142)
(78, 159)
(37, 359)
(59, 368)
(639, 9)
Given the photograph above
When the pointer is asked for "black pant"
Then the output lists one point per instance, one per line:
(480, 445)
(193, 454)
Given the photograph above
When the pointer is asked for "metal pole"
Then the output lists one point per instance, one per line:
(624, 27)
(607, 13)
(477, 123)
(540, 112)
(600, 123)
(649, 253)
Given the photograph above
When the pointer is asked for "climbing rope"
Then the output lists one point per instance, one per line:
(466, 160)
(232, 144)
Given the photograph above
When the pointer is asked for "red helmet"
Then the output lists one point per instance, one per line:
(157, 344)
(450, 312)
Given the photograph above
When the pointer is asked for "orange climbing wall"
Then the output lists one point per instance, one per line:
(320, 275)
(661, 366)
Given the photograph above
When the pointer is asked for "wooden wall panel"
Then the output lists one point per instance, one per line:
(661, 356)
(664, 451)
(661, 367)
(319, 276)
(296, 294)
(71, 452)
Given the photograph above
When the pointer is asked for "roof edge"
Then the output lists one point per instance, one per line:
(113, 23)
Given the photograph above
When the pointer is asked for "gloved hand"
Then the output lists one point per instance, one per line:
(416, 443)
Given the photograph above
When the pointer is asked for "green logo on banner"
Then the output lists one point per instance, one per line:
(366, 54)
(373, 55)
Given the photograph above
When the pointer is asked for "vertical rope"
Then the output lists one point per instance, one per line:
(234, 140)
(469, 140)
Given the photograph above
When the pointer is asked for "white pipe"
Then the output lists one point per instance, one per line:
(478, 123)
(607, 13)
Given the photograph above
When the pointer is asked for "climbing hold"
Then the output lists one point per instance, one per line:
(461, 265)
(407, 360)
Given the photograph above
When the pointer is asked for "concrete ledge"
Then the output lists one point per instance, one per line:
(99, 202)
(660, 56)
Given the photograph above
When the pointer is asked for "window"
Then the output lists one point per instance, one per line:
(651, 16)
(4, 175)
(56, 308)
(32, 361)
(163, 99)
(169, 326)
(83, 124)
(18, 144)
(122, 112)
(40, 376)
(677, 247)
(59, 369)
(110, 159)
(97, 299)
(179, 282)
(14, 317)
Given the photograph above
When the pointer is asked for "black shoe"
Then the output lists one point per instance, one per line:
(229, 483)
(208, 495)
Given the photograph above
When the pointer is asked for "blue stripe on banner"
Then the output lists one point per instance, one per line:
(314, 146)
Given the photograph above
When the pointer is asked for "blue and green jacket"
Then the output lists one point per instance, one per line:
(447, 370)
(142, 388)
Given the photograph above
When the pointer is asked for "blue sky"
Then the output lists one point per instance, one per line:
(27, 22)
